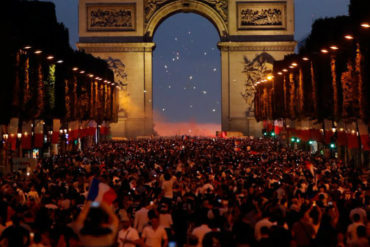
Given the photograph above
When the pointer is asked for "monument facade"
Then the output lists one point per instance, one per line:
(253, 33)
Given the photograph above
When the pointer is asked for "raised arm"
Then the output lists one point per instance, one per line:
(83, 214)
(113, 217)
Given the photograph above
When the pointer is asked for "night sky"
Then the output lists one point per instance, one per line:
(186, 61)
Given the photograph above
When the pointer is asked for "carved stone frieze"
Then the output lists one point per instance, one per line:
(261, 15)
(111, 17)
(221, 6)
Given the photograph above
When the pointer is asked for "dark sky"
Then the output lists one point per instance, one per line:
(186, 65)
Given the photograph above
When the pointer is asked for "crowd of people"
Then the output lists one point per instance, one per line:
(194, 192)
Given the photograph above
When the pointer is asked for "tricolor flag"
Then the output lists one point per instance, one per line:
(101, 192)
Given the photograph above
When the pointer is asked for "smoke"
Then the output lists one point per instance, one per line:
(165, 128)
(183, 128)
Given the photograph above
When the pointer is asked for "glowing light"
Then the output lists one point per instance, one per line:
(305, 59)
(176, 39)
(190, 77)
(194, 87)
(270, 77)
(214, 69)
(82, 72)
(285, 70)
(204, 92)
(214, 110)
(191, 106)
(163, 109)
(60, 61)
(165, 66)
(27, 47)
(334, 47)
(325, 51)
(205, 53)
(50, 57)
(169, 86)
(75, 69)
(280, 73)
(91, 75)
(365, 25)
(294, 64)
(38, 52)
(348, 37)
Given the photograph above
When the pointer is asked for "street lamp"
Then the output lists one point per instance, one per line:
(348, 37)
(5, 137)
(365, 25)
(324, 51)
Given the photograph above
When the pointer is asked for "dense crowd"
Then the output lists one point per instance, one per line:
(188, 192)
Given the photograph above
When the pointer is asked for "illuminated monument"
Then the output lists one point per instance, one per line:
(253, 33)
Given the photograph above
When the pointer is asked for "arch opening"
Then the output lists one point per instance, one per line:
(186, 76)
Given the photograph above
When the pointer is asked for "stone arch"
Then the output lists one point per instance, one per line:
(192, 6)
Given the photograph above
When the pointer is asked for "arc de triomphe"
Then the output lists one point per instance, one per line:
(253, 33)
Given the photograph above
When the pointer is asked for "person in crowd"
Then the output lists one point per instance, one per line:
(96, 225)
(15, 235)
(352, 228)
(154, 235)
(200, 231)
(128, 236)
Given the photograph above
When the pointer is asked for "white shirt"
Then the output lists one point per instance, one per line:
(207, 187)
(129, 234)
(154, 238)
(257, 229)
(359, 211)
(141, 219)
(167, 187)
(165, 220)
(352, 231)
(199, 232)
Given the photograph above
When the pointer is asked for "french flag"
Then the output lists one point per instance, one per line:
(101, 192)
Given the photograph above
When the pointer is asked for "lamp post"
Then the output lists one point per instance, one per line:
(19, 137)
(5, 152)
